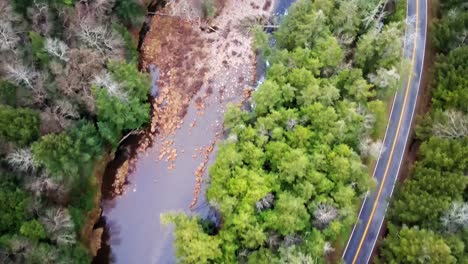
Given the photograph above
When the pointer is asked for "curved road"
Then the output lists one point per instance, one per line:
(365, 233)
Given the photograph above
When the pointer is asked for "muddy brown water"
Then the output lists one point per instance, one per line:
(133, 230)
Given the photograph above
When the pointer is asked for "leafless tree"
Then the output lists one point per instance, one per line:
(58, 116)
(376, 15)
(46, 186)
(291, 240)
(290, 255)
(265, 203)
(59, 225)
(8, 36)
(324, 214)
(102, 8)
(74, 80)
(456, 217)
(57, 48)
(273, 241)
(20, 74)
(100, 37)
(291, 123)
(453, 124)
(385, 78)
(232, 138)
(22, 160)
(40, 17)
(105, 80)
(369, 118)
(327, 248)
(369, 148)
(184, 9)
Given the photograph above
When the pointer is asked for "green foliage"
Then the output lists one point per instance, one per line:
(289, 215)
(130, 12)
(400, 11)
(380, 49)
(19, 125)
(33, 229)
(209, 9)
(13, 205)
(37, 49)
(198, 247)
(303, 27)
(130, 43)
(8, 93)
(21, 6)
(411, 245)
(69, 155)
(450, 30)
(116, 114)
(437, 180)
(450, 90)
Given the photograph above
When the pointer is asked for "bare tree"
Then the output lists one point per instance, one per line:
(8, 36)
(265, 203)
(74, 80)
(40, 17)
(105, 80)
(57, 48)
(102, 8)
(101, 38)
(291, 255)
(369, 118)
(456, 217)
(376, 15)
(385, 78)
(453, 124)
(184, 9)
(57, 117)
(59, 225)
(20, 74)
(369, 148)
(22, 160)
(291, 123)
(324, 214)
(46, 186)
(327, 248)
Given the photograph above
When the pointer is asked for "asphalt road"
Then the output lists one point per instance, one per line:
(365, 233)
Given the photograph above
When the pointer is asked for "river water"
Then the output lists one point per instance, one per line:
(134, 232)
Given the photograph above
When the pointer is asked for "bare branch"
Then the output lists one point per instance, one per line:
(57, 48)
(104, 80)
(454, 124)
(324, 214)
(22, 160)
(20, 74)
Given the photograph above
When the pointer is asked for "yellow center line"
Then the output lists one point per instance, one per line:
(395, 138)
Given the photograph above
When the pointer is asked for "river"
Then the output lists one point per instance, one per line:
(134, 232)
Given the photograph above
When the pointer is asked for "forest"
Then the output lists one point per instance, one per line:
(69, 89)
(290, 175)
(428, 218)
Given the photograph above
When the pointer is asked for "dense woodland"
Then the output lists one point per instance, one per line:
(289, 178)
(69, 89)
(429, 214)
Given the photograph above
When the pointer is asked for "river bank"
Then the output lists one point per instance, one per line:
(200, 72)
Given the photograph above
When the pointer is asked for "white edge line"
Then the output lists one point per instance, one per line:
(409, 129)
(381, 150)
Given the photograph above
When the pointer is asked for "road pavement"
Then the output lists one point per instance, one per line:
(365, 233)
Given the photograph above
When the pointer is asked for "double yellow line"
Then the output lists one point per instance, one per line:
(413, 59)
